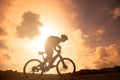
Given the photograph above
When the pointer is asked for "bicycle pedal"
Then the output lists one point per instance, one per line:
(46, 69)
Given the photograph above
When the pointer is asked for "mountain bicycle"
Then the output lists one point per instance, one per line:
(35, 68)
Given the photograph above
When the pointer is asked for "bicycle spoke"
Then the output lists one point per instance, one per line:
(32, 70)
(66, 69)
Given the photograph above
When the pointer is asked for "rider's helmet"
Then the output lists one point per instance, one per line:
(64, 37)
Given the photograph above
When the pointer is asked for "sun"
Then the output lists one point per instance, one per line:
(46, 31)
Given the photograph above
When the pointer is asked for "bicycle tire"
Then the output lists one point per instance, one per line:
(67, 73)
(29, 75)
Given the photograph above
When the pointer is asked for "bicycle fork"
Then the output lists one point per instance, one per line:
(62, 60)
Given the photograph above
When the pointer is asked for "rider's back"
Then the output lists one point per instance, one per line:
(53, 41)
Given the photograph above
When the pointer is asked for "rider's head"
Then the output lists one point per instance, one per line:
(64, 38)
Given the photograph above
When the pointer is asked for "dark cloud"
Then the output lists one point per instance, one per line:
(5, 56)
(2, 45)
(95, 12)
(4, 7)
(2, 31)
(90, 14)
(29, 27)
(95, 19)
(116, 4)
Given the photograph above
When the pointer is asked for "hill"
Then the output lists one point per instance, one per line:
(95, 74)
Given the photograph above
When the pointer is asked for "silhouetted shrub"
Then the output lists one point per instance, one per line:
(99, 71)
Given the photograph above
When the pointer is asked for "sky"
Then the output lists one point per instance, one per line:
(92, 26)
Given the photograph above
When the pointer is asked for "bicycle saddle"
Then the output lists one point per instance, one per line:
(41, 52)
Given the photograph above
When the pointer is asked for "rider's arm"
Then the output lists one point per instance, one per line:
(56, 48)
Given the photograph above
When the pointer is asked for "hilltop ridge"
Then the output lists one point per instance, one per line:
(86, 74)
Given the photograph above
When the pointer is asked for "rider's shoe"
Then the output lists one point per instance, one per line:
(46, 69)
(41, 66)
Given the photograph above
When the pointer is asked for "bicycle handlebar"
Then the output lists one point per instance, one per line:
(58, 49)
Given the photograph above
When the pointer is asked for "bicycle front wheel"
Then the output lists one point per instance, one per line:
(32, 70)
(66, 69)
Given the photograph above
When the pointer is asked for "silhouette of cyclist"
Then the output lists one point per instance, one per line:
(52, 42)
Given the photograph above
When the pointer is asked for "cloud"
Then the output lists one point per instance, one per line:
(2, 31)
(5, 60)
(4, 7)
(107, 56)
(29, 27)
(116, 12)
(5, 56)
(2, 45)
(100, 31)
(86, 57)
(78, 49)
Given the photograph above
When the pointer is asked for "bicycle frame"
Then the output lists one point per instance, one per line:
(55, 57)
(62, 63)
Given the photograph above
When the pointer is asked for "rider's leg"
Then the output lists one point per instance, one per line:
(52, 60)
(49, 52)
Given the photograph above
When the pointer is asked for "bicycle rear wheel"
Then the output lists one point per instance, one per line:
(69, 68)
(31, 69)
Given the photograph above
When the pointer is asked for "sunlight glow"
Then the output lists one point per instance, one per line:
(38, 43)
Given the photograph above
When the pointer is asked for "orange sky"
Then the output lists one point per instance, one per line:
(20, 41)
(54, 22)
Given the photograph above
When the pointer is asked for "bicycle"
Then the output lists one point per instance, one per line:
(34, 68)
